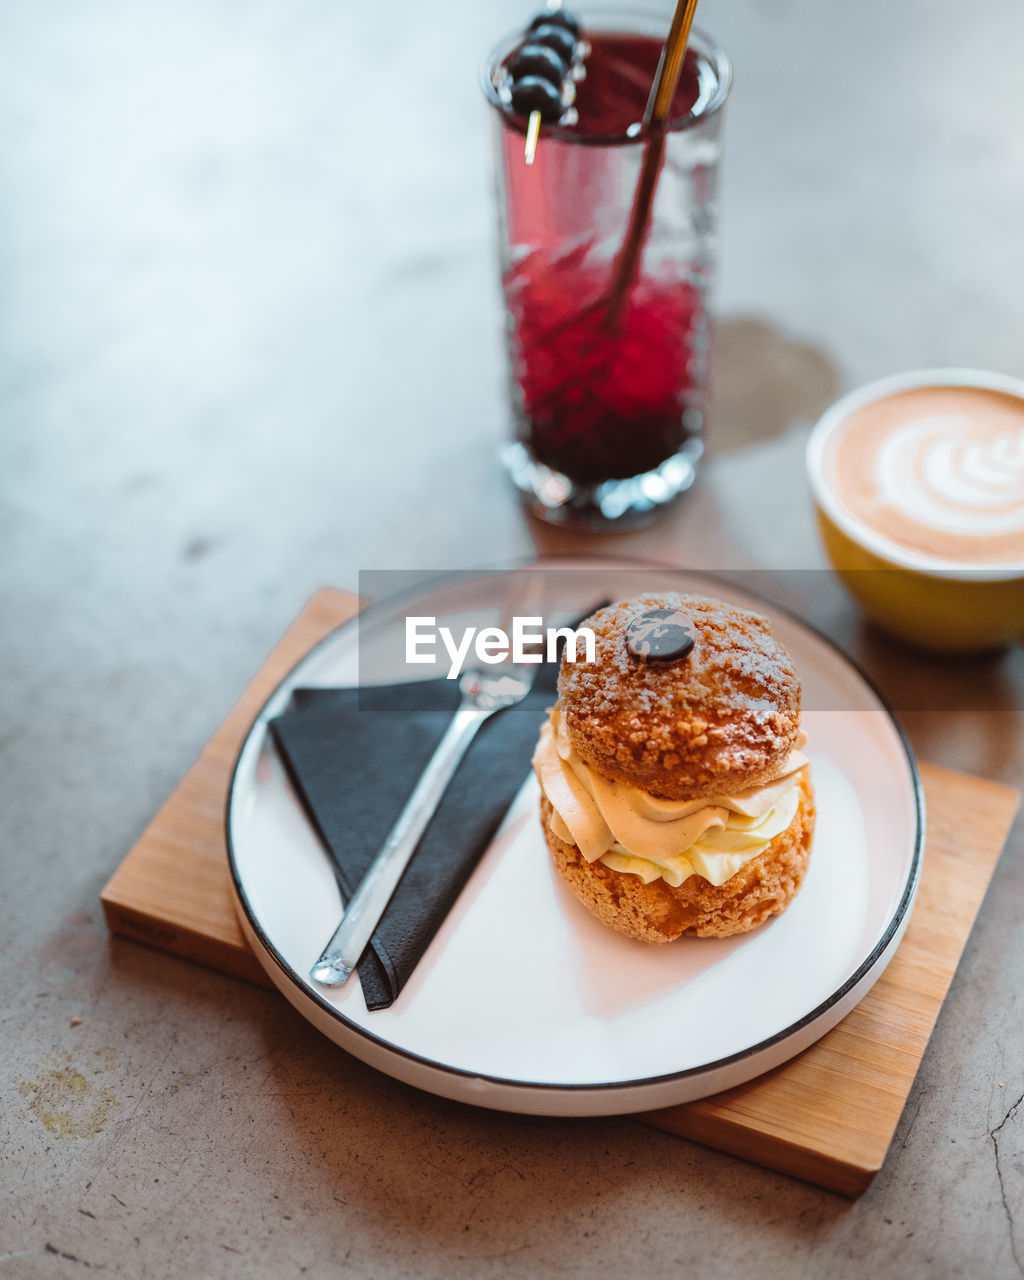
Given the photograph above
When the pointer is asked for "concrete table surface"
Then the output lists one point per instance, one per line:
(250, 346)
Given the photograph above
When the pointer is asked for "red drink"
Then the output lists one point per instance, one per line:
(597, 403)
(602, 396)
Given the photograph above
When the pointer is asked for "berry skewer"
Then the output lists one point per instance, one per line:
(542, 73)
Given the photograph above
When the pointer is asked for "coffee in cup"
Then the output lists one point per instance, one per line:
(918, 483)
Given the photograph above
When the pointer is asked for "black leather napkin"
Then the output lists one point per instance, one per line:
(354, 757)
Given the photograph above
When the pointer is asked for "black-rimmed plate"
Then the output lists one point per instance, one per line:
(523, 1001)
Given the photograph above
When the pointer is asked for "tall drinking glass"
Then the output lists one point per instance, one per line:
(608, 399)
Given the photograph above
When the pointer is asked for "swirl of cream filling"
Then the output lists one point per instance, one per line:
(632, 831)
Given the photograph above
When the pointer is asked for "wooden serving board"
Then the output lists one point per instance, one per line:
(828, 1116)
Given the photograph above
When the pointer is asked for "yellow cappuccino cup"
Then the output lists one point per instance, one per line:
(918, 485)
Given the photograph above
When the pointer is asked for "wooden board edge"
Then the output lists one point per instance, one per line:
(769, 1151)
(187, 944)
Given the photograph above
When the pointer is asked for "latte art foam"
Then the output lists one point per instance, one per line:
(937, 471)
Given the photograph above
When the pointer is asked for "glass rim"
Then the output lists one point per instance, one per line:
(633, 21)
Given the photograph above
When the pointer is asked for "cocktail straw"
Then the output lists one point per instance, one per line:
(666, 81)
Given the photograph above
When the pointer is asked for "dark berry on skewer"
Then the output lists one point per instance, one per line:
(560, 18)
(558, 38)
(538, 60)
(532, 93)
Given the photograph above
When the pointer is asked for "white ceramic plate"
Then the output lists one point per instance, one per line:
(524, 1002)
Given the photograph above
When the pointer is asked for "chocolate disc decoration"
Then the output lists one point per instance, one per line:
(660, 635)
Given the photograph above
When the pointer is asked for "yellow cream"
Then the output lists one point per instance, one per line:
(630, 830)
